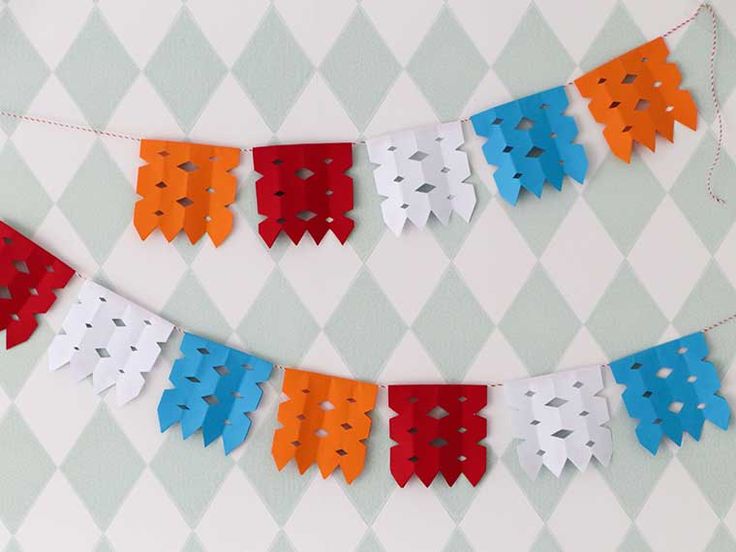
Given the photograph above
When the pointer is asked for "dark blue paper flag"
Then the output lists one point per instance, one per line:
(214, 389)
(531, 142)
(671, 389)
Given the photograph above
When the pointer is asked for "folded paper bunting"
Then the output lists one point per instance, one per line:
(437, 429)
(304, 188)
(29, 275)
(324, 421)
(560, 417)
(110, 338)
(636, 96)
(185, 187)
(531, 141)
(422, 171)
(671, 389)
(215, 387)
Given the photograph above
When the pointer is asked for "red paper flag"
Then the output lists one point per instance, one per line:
(437, 429)
(304, 188)
(28, 277)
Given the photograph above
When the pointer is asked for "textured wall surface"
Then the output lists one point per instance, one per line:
(635, 255)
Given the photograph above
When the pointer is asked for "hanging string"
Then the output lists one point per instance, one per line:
(720, 323)
(283, 368)
(712, 78)
(705, 6)
(68, 126)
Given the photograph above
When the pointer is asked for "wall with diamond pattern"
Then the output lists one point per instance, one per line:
(636, 255)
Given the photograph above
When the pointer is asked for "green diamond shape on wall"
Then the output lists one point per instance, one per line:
(447, 83)
(97, 70)
(101, 484)
(185, 71)
(19, 58)
(539, 324)
(452, 326)
(360, 69)
(273, 69)
(533, 44)
(23, 472)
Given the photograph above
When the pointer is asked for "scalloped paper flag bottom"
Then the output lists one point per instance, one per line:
(531, 141)
(422, 172)
(560, 417)
(637, 96)
(438, 429)
(29, 277)
(111, 339)
(215, 387)
(325, 422)
(671, 389)
(185, 186)
(304, 188)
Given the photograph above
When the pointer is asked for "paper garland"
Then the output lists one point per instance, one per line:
(419, 172)
(186, 187)
(531, 141)
(637, 96)
(437, 429)
(422, 171)
(215, 387)
(29, 276)
(560, 417)
(325, 422)
(111, 339)
(671, 389)
(304, 188)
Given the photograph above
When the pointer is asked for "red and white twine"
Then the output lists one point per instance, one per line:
(713, 90)
(711, 77)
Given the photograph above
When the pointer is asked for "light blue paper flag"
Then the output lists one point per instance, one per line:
(531, 142)
(214, 389)
(671, 389)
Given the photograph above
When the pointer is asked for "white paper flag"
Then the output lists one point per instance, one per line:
(559, 417)
(422, 171)
(110, 338)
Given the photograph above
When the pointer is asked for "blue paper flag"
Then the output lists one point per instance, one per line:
(214, 389)
(671, 389)
(531, 142)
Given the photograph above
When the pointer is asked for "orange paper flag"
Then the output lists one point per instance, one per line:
(636, 96)
(324, 421)
(186, 187)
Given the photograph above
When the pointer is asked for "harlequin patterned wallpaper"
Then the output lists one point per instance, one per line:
(636, 255)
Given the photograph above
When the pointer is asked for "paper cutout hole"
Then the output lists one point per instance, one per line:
(304, 173)
(557, 402)
(438, 413)
(664, 372)
(562, 433)
(628, 78)
(418, 155)
(21, 266)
